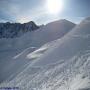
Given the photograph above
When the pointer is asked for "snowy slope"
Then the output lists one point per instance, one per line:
(74, 42)
(13, 52)
(63, 66)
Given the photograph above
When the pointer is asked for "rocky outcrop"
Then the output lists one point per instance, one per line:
(12, 30)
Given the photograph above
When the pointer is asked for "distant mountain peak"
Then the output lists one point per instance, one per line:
(30, 22)
(62, 21)
(66, 21)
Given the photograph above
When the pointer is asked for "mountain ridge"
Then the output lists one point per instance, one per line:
(13, 30)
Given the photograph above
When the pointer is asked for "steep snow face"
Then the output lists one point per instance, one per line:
(63, 64)
(13, 52)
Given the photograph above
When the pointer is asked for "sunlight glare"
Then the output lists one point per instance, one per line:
(54, 6)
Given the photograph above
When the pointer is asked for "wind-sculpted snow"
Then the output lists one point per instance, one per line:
(63, 64)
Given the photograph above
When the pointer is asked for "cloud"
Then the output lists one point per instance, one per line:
(20, 11)
(27, 10)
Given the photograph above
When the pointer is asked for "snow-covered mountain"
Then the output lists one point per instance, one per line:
(47, 33)
(59, 61)
(11, 50)
(12, 30)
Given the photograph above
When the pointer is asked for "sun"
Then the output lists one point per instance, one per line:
(54, 6)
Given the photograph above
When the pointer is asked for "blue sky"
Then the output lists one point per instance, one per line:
(35, 10)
